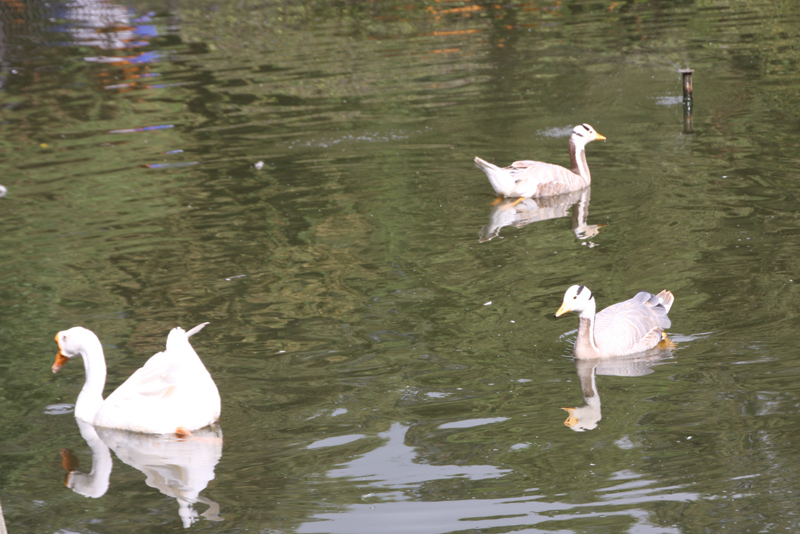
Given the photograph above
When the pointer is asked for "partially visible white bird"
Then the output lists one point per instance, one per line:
(537, 179)
(172, 392)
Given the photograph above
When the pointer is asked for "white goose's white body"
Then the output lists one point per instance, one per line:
(172, 392)
(537, 179)
(628, 327)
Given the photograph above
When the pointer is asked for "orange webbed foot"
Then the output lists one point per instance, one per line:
(665, 342)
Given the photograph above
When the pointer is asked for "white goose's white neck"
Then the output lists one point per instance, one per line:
(91, 396)
(577, 156)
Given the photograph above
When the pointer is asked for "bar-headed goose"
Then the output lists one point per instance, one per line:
(172, 392)
(538, 179)
(634, 325)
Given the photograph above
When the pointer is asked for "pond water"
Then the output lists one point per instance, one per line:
(300, 175)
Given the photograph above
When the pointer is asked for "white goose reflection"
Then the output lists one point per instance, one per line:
(588, 416)
(95, 483)
(519, 212)
(178, 468)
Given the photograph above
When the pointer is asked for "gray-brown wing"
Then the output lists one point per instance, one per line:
(523, 164)
(536, 178)
(631, 326)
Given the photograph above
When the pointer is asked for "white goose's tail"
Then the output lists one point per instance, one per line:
(178, 337)
(196, 329)
(502, 182)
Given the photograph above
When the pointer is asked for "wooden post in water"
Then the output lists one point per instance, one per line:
(687, 100)
(687, 84)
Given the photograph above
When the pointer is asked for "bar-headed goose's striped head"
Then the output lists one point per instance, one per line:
(577, 298)
(583, 134)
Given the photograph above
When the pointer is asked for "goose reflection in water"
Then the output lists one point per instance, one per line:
(588, 416)
(178, 468)
(520, 212)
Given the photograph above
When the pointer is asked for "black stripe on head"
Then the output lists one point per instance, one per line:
(581, 288)
(586, 127)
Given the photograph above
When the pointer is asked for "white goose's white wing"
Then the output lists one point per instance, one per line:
(172, 390)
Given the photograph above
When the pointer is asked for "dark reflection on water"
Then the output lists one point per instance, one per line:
(300, 175)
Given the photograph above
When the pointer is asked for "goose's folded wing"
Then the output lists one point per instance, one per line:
(657, 306)
(157, 378)
(545, 178)
(524, 164)
(629, 326)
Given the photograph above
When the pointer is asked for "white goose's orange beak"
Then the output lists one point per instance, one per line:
(598, 137)
(60, 358)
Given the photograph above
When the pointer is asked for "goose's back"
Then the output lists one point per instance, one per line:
(536, 178)
(173, 389)
(634, 325)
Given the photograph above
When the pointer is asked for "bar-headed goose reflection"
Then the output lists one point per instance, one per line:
(520, 212)
(178, 467)
(588, 416)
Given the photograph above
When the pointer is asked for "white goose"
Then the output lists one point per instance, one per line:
(172, 392)
(628, 327)
(538, 179)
